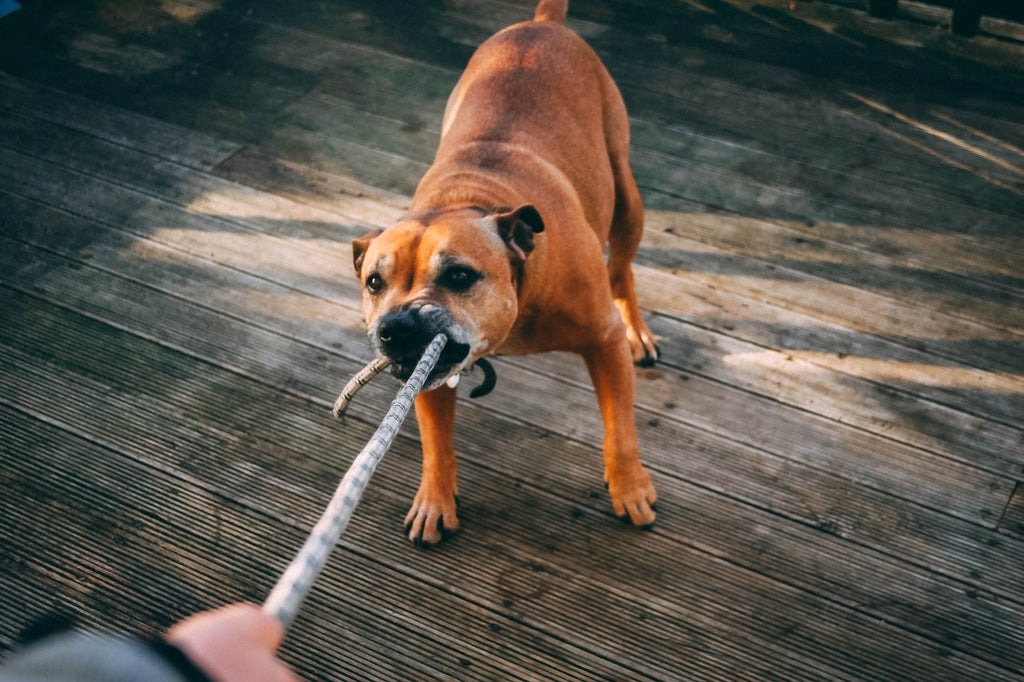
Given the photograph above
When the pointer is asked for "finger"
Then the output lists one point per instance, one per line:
(257, 626)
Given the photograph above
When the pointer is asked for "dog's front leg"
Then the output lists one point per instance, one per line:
(611, 369)
(433, 514)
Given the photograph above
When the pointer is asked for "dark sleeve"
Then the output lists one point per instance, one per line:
(87, 657)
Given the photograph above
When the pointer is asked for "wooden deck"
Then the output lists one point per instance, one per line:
(834, 264)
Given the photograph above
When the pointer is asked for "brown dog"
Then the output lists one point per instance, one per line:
(502, 249)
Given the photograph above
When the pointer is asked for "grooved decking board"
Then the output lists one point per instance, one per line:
(174, 143)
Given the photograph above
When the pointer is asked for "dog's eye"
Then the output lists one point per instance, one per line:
(459, 278)
(374, 283)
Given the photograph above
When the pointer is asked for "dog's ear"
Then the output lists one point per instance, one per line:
(359, 247)
(517, 228)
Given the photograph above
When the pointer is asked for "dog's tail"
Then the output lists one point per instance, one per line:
(551, 10)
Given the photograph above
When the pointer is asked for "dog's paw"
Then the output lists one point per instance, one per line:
(634, 499)
(431, 519)
(642, 344)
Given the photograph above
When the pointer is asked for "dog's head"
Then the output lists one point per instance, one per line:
(451, 271)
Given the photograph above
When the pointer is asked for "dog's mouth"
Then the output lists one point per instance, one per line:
(448, 364)
(402, 336)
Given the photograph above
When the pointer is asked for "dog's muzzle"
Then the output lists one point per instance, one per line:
(402, 336)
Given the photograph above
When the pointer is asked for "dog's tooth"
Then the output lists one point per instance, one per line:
(453, 380)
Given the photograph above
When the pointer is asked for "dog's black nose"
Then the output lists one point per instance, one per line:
(399, 329)
(402, 335)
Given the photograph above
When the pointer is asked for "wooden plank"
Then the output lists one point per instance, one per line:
(786, 200)
(305, 184)
(985, 269)
(174, 143)
(315, 322)
(773, 84)
(928, 26)
(323, 122)
(800, 492)
(35, 600)
(821, 399)
(197, 201)
(824, 161)
(881, 398)
(209, 105)
(318, 322)
(336, 13)
(811, 440)
(975, 93)
(853, 138)
(202, 385)
(629, 26)
(869, 312)
(333, 117)
(972, 79)
(668, 159)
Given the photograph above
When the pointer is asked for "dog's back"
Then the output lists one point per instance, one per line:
(535, 93)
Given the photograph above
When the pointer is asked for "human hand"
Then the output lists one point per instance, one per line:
(236, 643)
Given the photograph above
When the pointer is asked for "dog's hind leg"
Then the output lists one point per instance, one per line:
(623, 242)
(627, 227)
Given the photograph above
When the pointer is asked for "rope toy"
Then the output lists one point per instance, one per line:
(293, 586)
(366, 375)
(357, 382)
